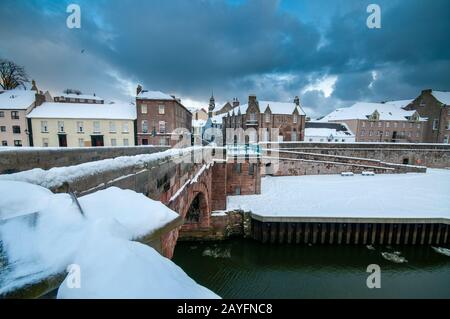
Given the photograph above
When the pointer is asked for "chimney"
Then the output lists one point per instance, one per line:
(138, 89)
(34, 87)
(39, 98)
(427, 91)
(297, 101)
(235, 102)
(252, 98)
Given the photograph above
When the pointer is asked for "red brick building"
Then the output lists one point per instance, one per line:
(263, 116)
(435, 106)
(161, 119)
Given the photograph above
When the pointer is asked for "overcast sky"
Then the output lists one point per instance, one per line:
(320, 50)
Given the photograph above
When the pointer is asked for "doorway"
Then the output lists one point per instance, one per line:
(62, 140)
(97, 140)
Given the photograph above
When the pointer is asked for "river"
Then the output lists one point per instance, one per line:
(244, 268)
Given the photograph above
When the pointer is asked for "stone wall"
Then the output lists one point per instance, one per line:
(430, 155)
(22, 159)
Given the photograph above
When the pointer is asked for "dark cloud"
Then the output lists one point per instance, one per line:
(270, 48)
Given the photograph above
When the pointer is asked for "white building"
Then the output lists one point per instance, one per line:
(328, 133)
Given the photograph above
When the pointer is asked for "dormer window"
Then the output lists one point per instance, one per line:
(375, 116)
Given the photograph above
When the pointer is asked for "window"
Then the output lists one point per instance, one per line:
(2, 128)
(267, 117)
(113, 142)
(80, 127)
(237, 191)
(144, 109)
(125, 128)
(112, 127)
(253, 117)
(435, 124)
(295, 119)
(294, 136)
(418, 126)
(387, 134)
(162, 127)
(371, 133)
(125, 142)
(16, 129)
(237, 168)
(251, 169)
(395, 124)
(410, 125)
(446, 139)
(44, 127)
(404, 124)
(18, 143)
(144, 126)
(15, 115)
(72, 99)
(96, 126)
(162, 141)
(363, 124)
(144, 141)
(388, 124)
(2, 114)
(4, 143)
(45, 142)
(379, 124)
(448, 125)
(371, 124)
(161, 109)
(61, 126)
(81, 142)
(363, 132)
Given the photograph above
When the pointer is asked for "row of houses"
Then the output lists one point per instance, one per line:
(425, 119)
(72, 119)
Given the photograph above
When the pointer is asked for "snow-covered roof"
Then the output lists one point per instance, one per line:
(218, 119)
(16, 99)
(122, 111)
(325, 129)
(285, 108)
(154, 95)
(442, 96)
(78, 96)
(363, 110)
(401, 103)
(198, 123)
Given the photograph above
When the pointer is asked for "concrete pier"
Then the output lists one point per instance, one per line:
(351, 231)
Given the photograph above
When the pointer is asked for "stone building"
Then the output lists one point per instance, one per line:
(162, 119)
(435, 106)
(263, 117)
(82, 124)
(14, 107)
(75, 96)
(381, 122)
(326, 132)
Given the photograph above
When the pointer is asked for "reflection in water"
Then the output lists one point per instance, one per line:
(256, 270)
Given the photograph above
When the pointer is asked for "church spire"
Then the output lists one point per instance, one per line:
(212, 105)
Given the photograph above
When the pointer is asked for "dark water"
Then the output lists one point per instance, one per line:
(248, 269)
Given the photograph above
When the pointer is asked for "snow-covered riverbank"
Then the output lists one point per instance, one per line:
(393, 195)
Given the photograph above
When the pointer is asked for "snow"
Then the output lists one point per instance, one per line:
(326, 132)
(154, 95)
(112, 265)
(114, 111)
(198, 123)
(414, 195)
(56, 176)
(401, 103)
(285, 108)
(442, 96)
(79, 96)
(16, 99)
(362, 111)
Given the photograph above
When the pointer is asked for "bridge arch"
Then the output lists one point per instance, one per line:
(198, 210)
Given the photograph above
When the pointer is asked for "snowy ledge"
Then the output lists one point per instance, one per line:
(57, 176)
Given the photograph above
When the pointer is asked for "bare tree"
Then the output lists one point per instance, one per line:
(12, 75)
